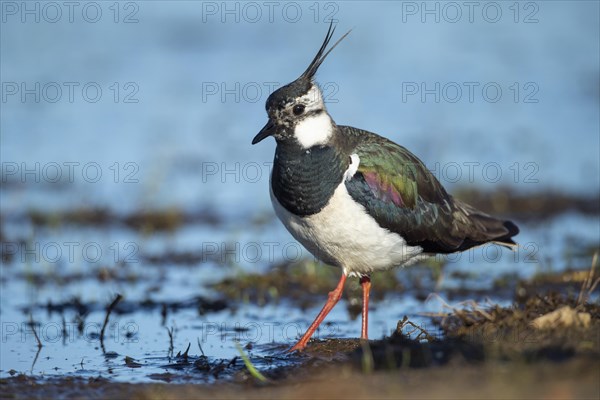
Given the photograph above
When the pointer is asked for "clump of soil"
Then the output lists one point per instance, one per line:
(551, 326)
(515, 333)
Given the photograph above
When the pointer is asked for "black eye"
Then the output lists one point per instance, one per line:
(298, 109)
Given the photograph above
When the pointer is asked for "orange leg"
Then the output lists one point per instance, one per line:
(365, 282)
(333, 298)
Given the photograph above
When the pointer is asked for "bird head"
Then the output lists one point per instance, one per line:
(297, 111)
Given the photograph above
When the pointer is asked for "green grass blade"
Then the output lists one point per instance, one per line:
(251, 368)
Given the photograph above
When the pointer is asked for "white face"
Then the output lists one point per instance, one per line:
(313, 100)
(316, 127)
(314, 130)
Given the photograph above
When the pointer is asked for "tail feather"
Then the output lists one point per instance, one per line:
(480, 228)
(513, 230)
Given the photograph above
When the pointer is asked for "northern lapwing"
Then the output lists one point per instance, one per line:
(357, 200)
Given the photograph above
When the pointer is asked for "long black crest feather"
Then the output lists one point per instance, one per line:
(320, 57)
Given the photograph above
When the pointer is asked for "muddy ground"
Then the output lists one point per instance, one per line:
(545, 344)
(484, 352)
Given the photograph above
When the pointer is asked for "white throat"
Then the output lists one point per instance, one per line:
(314, 130)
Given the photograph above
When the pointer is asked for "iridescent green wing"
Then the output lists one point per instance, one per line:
(400, 193)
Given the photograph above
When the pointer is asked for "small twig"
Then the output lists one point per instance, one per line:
(467, 315)
(163, 314)
(64, 328)
(37, 338)
(39, 342)
(37, 354)
(80, 320)
(440, 299)
(108, 311)
(422, 332)
(401, 324)
(185, 355)
(476, 308)
(587, 287)
(200, 347)
(594, 285)
(171, 347)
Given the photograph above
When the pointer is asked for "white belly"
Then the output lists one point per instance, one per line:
(344, 235)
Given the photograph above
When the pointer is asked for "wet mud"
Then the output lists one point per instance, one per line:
(541, 338)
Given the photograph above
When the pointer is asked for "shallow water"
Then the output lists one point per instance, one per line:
(176, 136)
(57, 294)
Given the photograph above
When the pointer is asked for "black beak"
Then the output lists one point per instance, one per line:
(266, 131)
